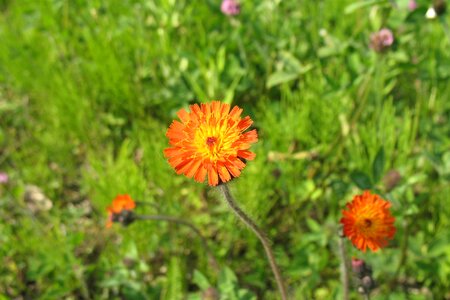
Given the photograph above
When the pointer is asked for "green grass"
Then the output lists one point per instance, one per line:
(88, 89)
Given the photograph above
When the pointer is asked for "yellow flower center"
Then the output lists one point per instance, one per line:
(214, 141)
(210, 141)
(367, 225)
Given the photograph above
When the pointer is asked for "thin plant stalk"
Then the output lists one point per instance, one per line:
(445, 27)
(344, 269)
(184, 223)
(403, 249)
(259, 233)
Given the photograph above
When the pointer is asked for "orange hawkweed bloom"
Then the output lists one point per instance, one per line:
(368, 221)
(210, 140)
(119, 205)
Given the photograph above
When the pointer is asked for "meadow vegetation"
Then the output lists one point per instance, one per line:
(89, 88)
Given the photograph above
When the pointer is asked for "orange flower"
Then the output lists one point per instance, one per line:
(210, 140)
(368, 221)
(120, 204)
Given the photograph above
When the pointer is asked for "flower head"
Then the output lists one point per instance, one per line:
(412, 5)
(4, 178)
(120, 210)
(381, 40)
(230, 7)
(210, 140)
(368, 222)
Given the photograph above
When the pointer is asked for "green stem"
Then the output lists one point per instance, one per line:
(344, 269)
(184, 223)
(445, 27)
(259, 233)
(403, 249)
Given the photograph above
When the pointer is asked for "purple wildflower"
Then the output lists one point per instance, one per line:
(387, 38)
(412, 5)
(230, 7)
(381, 40)
(4, 178)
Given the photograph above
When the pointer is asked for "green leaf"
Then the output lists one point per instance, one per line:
(228, 283)
(439, 247)
(361, 179)
(201, 280)
(279, 78)
(229, 95)
(221, 57)
(196, 88)
(132, 294)
(293, 64)
(313, 225)
(378, 165)
(174, 287)
(355, 6)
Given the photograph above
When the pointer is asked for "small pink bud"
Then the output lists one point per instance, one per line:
(230, 7)
(4, 178)
(358, 267)
(412, 5)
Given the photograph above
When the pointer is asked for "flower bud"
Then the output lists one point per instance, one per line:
(381, 40)
(358, 267)
(4, 178)
(121, 211)
(125, 217)
(367, 283)
(412, 5)
(391, 179)
(439, 7)
(230, 7)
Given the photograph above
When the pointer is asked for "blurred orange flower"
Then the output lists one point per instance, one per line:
(210, 140)
(120, 204)
(368, 221)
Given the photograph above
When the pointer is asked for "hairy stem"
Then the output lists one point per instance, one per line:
(184, 223)
(403, 249)
(259, 233)
(344, 269)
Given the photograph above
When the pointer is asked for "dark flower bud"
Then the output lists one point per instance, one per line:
(391, 179)
(125, 217)
(276, 173)
(440, 6)
(121, 211)
(367, 283)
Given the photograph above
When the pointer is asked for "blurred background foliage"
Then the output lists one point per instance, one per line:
(88, 88)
